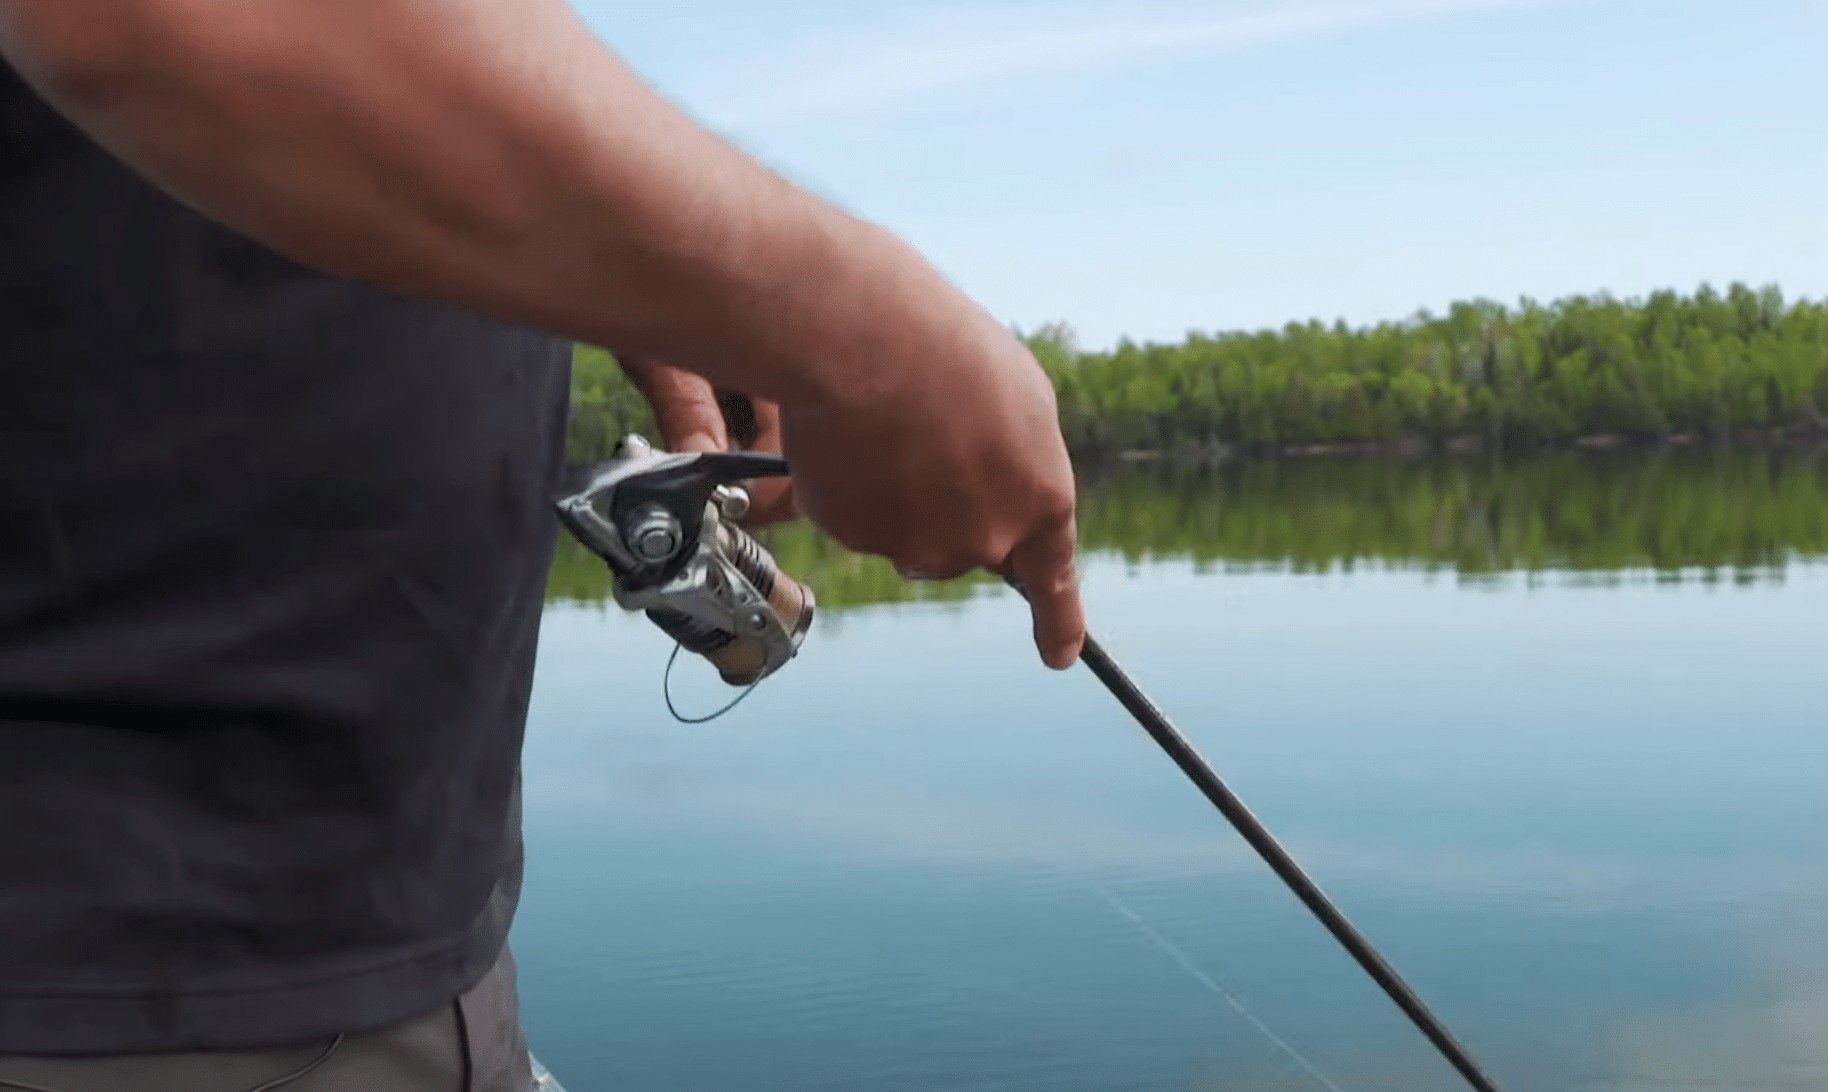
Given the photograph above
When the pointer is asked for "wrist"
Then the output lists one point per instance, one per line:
(760, 286)
(865, 318)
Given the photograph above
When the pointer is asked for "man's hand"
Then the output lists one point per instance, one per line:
(939, 447)
(934, 526)
(694, 416)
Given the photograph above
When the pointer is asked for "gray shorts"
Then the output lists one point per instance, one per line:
(474, 1044)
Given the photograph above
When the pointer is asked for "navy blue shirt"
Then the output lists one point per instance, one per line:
(273, 548)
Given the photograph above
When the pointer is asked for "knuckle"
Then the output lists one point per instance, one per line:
(861, 540)
(1057, 500)
(991, 548)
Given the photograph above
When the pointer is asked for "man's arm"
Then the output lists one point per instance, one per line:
(493, 154)
(487, 152)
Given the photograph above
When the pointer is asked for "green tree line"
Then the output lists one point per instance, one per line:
(1706, 365)
(1733, 514)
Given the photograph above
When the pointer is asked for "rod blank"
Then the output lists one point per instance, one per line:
(1201, 773)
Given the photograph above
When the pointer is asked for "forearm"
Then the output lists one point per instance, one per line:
(490, 153)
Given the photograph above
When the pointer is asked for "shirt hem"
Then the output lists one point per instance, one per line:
(162, 1021)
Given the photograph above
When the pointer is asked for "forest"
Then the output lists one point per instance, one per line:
(1670, 367)
(1732, 514)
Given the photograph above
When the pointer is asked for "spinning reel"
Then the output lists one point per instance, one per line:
(667, 525)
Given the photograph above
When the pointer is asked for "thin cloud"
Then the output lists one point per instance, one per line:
(861, 74)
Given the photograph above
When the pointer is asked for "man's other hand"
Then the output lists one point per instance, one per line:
(692, 415)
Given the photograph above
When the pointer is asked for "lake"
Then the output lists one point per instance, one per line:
(1550, 731)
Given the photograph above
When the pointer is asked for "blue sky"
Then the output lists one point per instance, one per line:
(1148, 168)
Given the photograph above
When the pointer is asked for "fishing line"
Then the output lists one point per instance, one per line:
(666, 691)
(1174, 952)
(1201, 773)
(1156, 723)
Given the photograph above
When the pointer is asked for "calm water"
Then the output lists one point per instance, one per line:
(1551, 733)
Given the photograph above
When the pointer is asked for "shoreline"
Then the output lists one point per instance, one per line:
(1426, 447)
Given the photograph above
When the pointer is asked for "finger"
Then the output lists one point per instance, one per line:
(764, 425)
(1044, 564)
(772, 499)
(684, 405)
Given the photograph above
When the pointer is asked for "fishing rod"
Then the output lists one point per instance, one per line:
(1201, 773)
(668, 527)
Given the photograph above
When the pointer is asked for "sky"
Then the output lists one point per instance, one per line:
(1149, 168)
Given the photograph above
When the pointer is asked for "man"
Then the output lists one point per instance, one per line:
(286, 294)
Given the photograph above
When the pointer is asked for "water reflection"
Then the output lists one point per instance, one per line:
(1737, 515)
(1552, 733)
(1771, 1032)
